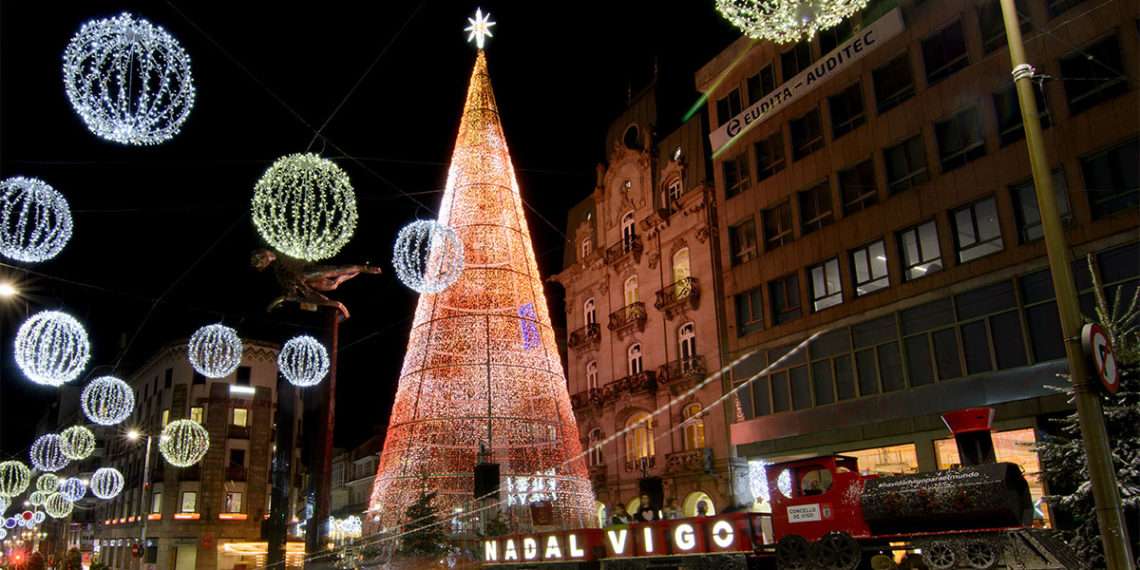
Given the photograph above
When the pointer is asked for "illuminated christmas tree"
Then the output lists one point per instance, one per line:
(482, 368)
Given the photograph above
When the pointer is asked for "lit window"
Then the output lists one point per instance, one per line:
(241, 417)
(826, 286)
(233, 502)
(587, 247)
(1014, 446)
(694, 430)
(189, 502)
(639, 439)
(630, 289)
(197, 414)
(628, 232)
(869, 268)
(687, 339)
(156, 503)
(165, 417)
(634, 359)
(890, 460)
(920, 251)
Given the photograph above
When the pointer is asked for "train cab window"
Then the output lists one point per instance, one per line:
(815, 482)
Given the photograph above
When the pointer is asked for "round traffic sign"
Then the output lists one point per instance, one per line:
(1095, 341)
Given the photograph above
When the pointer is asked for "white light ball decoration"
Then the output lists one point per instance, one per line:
(58, 506)
(47, 453)
(48, 483)
(14, 478)
(184, 442)
(35, 220)
(5, 502)
(129, 80)
(107, 483)
(215, 351)
(428, 256)
(786, 21)
(303, 361)
(107, 400)
(77, 443)
(304, 207)
(52, 348)
(73, 489)
(37, 498)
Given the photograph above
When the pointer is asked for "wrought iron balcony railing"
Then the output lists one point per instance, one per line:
(592, 396)
(641, 464)
(682, 369)
(690, 460)
(588, 335)
(679, 294)
(628, 246)
(631, 315)
(645, 381)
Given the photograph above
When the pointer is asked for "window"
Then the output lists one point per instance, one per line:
(197, 414)
(595, 448)
(736, 178)
(761, 84)
(990, 328)
(168, 378)
(241, 417)
(237, 458)
(1025, 206)
(671, 195)
(846, 110)
(777, 225)
(592, 375)
(931, 343)
(920, 252)
(587, 247)
(807, 135)
(830, 38)
(749, 312)
(893, 83)
(832, 375)
(742, 241)
(233, 502)
(795, 60)
(944, 53)
(878, 359)
(198, 378)
(826, 287)
(165, 417)
(639, 438)
(590, 311)
(189, 502)
(977, 232)
(784, 294)
(156, 502)
(1093, 75)
(815, 208)
(681, 268)
(687, 343)
(1111, 179)
(858, 187)
(869, 268)
(1010, 125)
(960, 139)
(630, 290)
(791, 387)
(728, 107)
(693, 433)
(770, 156)
(632, 137)
(1017, 446)
(891, 460)
(628, 232)
(906, 165)
(244, 374)
(992, 24)
(633, 359)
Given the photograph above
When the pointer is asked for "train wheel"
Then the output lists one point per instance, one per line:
(980, 554)
(939, 555)
(793, 553)
(837, 551)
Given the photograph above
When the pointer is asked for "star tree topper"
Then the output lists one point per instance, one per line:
(479, 28)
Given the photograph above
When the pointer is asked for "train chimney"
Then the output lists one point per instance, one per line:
(971, 429)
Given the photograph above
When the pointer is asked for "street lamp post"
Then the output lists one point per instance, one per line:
(143, 507)
(1102, 476)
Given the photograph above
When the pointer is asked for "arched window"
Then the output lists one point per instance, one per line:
(634, 358)
(632, 137)
(630, 289)
(698, 503)
(595, 449)
(681, 268)
(687, 339)
(592, 375)
(639, 438)
(694, 426)
(671, 194)
(628, 231)
(590, 311)
(587, 248)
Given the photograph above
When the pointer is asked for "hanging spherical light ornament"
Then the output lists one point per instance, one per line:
(428, 256)
(52, 348)
(5, 502)
(129, 80)
(14, 478)
(107, 400)
(47, 453)
(77, 443)
(304, 207)
(37, 498)
(48, 483)
(107, 482)
(184, 442)
(303, 361)
(786, 21)
(35, 220)
(214, 351)
(73, 488)
(58, 506)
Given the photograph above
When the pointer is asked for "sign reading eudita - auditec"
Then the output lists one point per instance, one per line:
(834, 62)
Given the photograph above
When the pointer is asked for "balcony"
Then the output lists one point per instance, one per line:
(235, 473)
(589, 336)
(682, 374)
(641, 464)
(238, 432)
(645, 381)
(679, 296)
(586, 398)
(691, 461)
(628, 248)
(628, 317)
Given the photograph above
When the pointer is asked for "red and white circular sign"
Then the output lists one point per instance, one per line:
(1095, 341)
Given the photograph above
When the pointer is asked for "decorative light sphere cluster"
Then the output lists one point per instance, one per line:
(107, 400)
(48, 483)
(215, 351)
(304, 206)
(184, 442)
(47, 453)
(37, 498)
(107, 483)
(77, 443)
(35, 220)
(14, 478)
(303, 361)
(428, 256)
(58, 506)
(129, 80)
(52, 348)
(786, 21)
(73, 489)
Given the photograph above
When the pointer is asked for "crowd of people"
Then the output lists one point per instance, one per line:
(646, 513)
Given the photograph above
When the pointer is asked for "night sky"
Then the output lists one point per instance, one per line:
(170, 223)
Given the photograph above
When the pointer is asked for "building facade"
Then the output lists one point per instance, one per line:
(353, 472)
(208, 516)
(885, 202)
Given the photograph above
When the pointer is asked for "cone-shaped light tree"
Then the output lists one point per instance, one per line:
(482, 368)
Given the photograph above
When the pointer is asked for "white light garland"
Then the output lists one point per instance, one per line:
(304, 207)
(107, 400)
(303, 361)
(58, 506)
(48, 483)
(107, 483)
(77, 443)
(129, 80)
(47, 453)
(35, 220)
(14, 478)
(73, 489)
(37, 498)
(215, 351)
(428, 256)
(52, 348)
(786, 21)
(184, 443)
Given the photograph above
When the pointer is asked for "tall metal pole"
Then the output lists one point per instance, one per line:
(315, 530)
(279, 513)
(144, 509)
(1102, 476)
